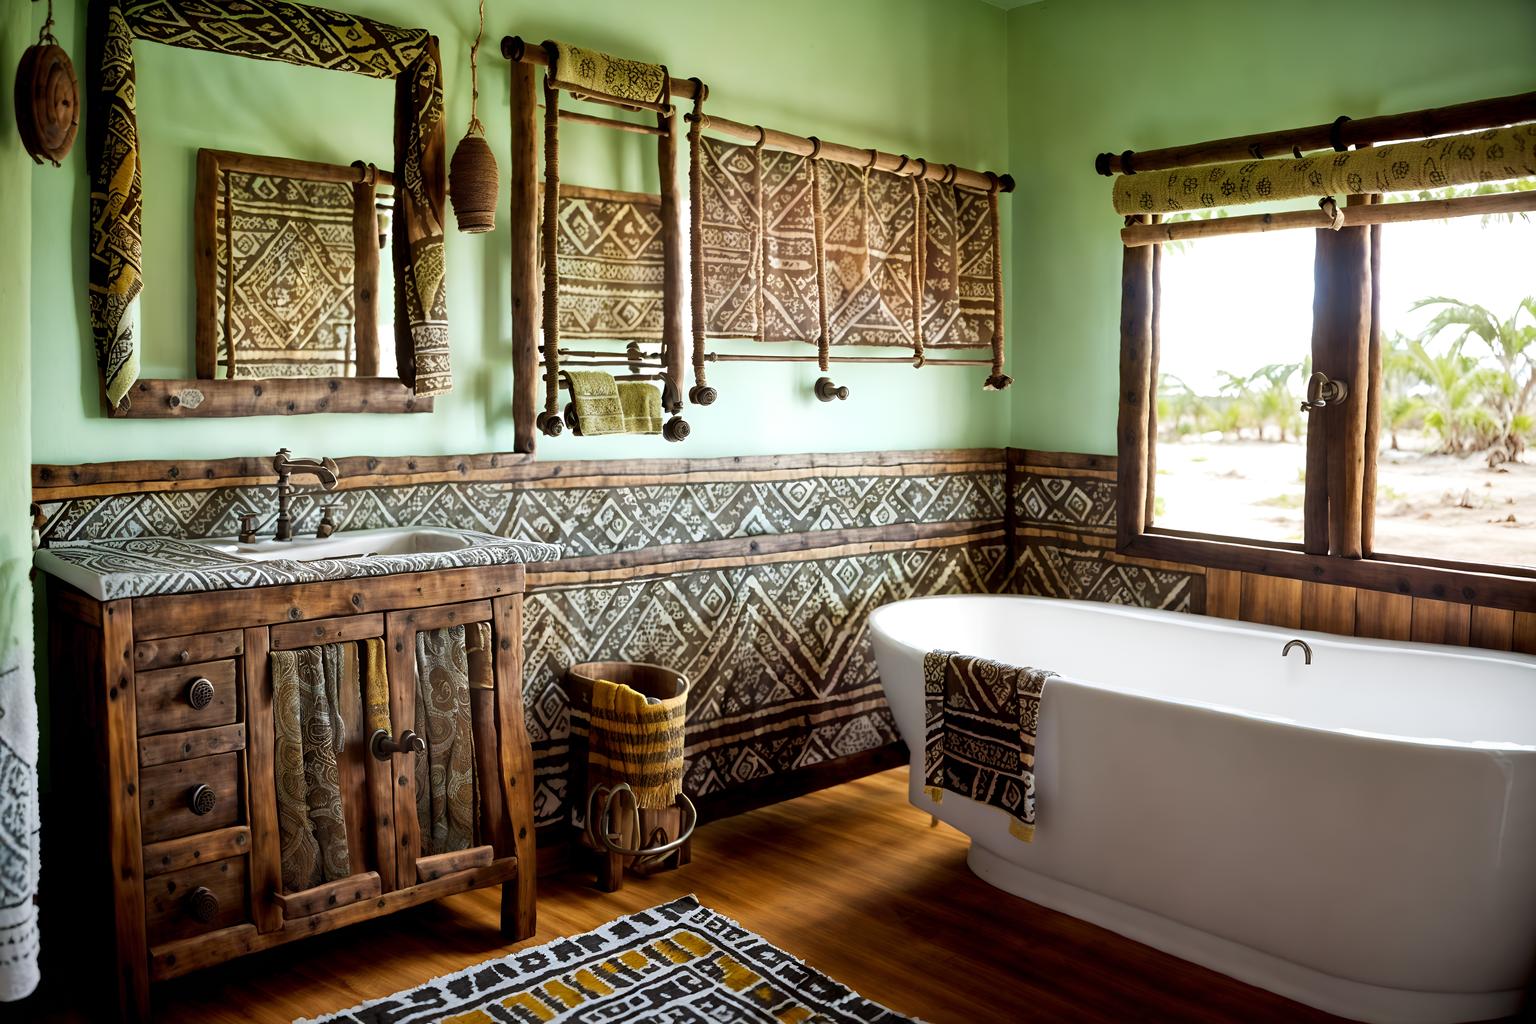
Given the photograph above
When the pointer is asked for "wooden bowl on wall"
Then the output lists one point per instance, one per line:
(47, 102)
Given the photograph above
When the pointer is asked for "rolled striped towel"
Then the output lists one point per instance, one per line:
(639, 740)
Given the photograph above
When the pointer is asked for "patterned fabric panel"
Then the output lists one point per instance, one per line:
(782, 672)
(1092, 574)
(959, 298)
(732, 239)
(611, 264)
(1081, 504)
(286, 257)
(871, 255)
(583, 520)
(681, 963)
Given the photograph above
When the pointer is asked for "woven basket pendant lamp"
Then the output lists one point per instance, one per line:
(472, 173)
(47, 98)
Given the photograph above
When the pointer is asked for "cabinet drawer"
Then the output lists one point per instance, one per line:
(199, 899)
(186, 797)
(186, 697)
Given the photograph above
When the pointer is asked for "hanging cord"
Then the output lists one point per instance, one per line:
(475, 127)
(999, 380)
(1330, 207)
(758, 189)
(551, 265)
(818, 223)
(46, 36)
(696, 243)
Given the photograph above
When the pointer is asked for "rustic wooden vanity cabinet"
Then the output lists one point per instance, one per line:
(163, 740)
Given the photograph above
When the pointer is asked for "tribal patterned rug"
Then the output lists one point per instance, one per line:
(678, 963)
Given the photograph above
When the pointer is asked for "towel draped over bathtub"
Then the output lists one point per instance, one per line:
(980, 719)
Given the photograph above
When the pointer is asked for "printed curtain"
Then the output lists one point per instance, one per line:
(295, 34)
(608, 249)
(1499, 154)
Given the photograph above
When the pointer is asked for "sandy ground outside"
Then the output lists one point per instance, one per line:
(1440, 506)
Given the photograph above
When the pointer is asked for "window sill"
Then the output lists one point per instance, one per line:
(1510, 587)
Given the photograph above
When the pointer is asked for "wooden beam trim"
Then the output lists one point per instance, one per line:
(565, 578)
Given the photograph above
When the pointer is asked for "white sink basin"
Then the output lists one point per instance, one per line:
(403, 540)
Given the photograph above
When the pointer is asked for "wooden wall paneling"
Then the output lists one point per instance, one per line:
(1271, 600)
(1224, 593)
(400, 662)
(1328, 609)
(261, 783)
(1492, 628)
(519, 917)
(1524, 636)
(1440, 622)
(1383, 616)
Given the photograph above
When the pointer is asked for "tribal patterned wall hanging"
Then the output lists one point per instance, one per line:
(608, 245)
(295, 34)
(285, 276)
(882, 231)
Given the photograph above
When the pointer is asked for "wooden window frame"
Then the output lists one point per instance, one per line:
(1339, 508)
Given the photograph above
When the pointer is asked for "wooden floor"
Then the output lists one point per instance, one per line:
(851, 879)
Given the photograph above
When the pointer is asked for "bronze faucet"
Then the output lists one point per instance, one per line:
(1306, 650)
(323, 470)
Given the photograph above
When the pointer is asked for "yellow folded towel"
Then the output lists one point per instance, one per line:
(641, 403)
(595, 396)
(619, 77)
(638, 740)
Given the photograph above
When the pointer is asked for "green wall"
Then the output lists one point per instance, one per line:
(1089, 76)
(17, 31)
(925, 77)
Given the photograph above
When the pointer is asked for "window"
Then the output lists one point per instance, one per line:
(1417, 474)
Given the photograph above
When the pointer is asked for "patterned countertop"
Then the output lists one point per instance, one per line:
(147, 566)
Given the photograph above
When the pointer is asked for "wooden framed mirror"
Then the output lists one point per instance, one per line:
(296, 355)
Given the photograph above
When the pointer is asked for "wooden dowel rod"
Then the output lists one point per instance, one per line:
(518, 50)
(580, 364)
(620, 376)
(1418, 124)
(674, 305)
(1382, 213)
(593, 352)
(720, 357)
(609, 122)
(839, 153)
(523, 184)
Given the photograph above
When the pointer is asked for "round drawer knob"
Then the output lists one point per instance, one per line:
(202, 904)
(201, 799)
(200, 693)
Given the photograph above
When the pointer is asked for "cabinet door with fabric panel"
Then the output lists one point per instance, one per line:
(277, 762)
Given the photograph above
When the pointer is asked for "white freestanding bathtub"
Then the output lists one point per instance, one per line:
(1358, 834)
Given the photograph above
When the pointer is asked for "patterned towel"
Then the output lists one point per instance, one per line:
(639, 740)
(445, 774)
(596, 71)
(595, 398)
(312, 826)
(980, 719)
(641, 403)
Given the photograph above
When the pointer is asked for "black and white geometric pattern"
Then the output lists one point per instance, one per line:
(1051, 569)
(1080, 504)
(146, 566)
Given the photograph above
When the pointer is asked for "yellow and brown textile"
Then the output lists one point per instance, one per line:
(285, 276)
(980, 720)
(579, 69)
(1499, 154)
(886, 238)
(445, 773)
(295, 34)
(307, 689)
(637, 740)
(608, 251)
(375, 687)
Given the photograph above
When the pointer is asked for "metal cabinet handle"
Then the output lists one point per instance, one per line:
(381, 744)
(1322, 392)
(202, 904)
(200, 693)
(202, 799)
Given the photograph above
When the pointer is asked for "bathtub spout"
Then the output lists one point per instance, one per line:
(1306, 650)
